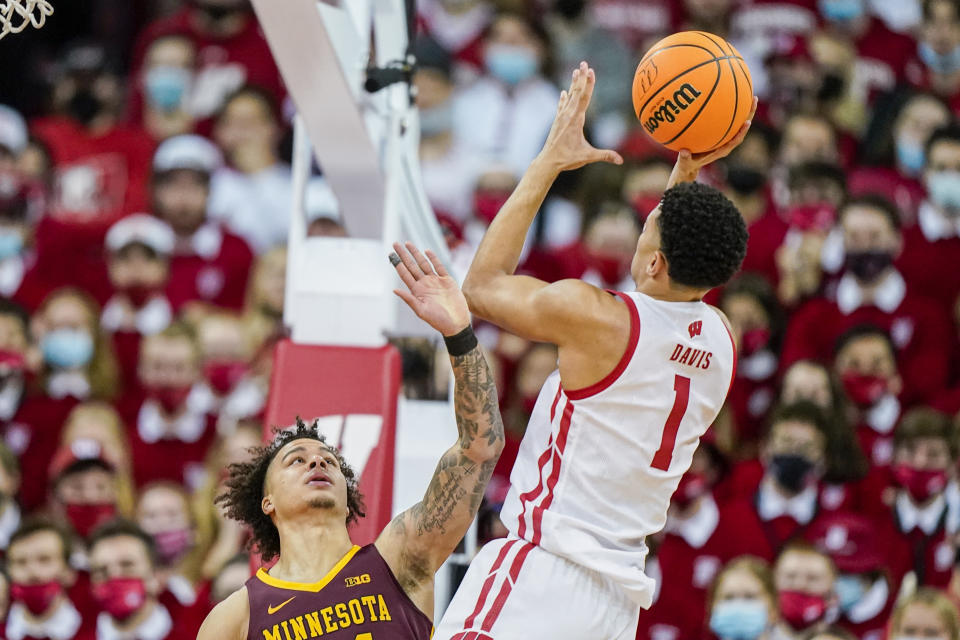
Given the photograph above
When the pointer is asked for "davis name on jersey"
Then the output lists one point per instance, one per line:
(597, 466)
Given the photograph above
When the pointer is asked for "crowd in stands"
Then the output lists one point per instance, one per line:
(144, 203)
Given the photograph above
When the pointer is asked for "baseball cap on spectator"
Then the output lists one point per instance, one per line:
(789, 47)
(431, 55)
(190, 151)
(141, 228)
(13, 130)
(321, 203)
(850, 541)
(82, 452)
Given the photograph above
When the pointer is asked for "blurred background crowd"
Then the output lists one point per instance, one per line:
(144, 199)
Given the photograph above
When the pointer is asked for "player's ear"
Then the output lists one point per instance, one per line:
(266, 505)
(657, 264)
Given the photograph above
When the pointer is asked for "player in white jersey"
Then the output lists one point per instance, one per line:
(641, 377)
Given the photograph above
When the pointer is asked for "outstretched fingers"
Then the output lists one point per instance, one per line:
(437, 265)
(412, 268)
(420, 259)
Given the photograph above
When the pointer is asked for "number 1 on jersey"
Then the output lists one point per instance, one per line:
(664, 455)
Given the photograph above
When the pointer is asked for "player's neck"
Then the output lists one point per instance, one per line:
(309, 549)
(668, 292)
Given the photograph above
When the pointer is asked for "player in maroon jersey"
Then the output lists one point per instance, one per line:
(298, 495)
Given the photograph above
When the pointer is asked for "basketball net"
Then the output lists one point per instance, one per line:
(16, 15)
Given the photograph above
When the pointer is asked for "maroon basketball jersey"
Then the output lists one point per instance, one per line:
(359, 599)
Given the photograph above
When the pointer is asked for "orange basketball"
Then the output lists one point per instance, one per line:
(692, 90)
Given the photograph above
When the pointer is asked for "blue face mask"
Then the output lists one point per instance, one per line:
(740, 619)
(944, 189)
(849, 590)
(166, 87)
(910, 156)
(67, 348)
(510, 64)
(436, 120)
(841, 10)
(939, 62)
(11, 243)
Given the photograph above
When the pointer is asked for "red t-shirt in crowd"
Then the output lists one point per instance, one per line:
(929, 259)
(766, 236)
(212, 266)
(920, 541)
(882, 57)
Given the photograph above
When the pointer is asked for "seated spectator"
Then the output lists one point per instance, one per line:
(935, 240)
(506, 114)
(227, 353)
(83, 489)
(938, 67)
(125, 586)
(811, 381)
(167, 81)
(448, 172)
(866, 364)
(643, 183)
(873, 291)
(263, 310)
(805, 579)
(790, 493)
(699, 539)
(928, 613)
(209, 264)
(78, 360)
(758, 325)
(232, 577)
(230, 50)
(171, 423)
(604, 256)
(865, 595)
(101, 164)
(138, 262)
(38, 561)
(807, 138)
(10, 478)
(492, 189)
(924, 459)
(742, 603)
(252, 195)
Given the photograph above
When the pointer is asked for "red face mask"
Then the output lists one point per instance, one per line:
(120, 597)
(11, 361)
(84, 518)
(223, 375)
(864, 390)
(170, 398)
(802, 610)
(172, 545)
(753, 340)
(921, 484)
(817, 218)
(37, 598)
(612, 268)
(692, 486)
(139, 294)
(486, 204)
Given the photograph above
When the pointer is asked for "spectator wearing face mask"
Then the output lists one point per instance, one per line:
(84, 490)
(230, 50)
(778, 498)
(895, 163)
(742, 602)
(167, 83)
(922, 509)
(643, 182)
(758, 324)
(20, 199)
(872, 290)
(40, 575)
(449, 173)
(506, 114)
(138, 262)
(209, 263)
(928, 613)
(125, 587)
(865, 595)
(171, 420)
(937, 67)
(805, 580)
(163, 512)
(935, 240)
(604, 255)
(699, 539)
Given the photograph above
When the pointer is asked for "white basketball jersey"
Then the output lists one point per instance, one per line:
(597, 466)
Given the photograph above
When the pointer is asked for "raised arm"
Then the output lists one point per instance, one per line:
(421, 538)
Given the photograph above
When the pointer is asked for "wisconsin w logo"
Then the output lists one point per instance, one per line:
(695, 328)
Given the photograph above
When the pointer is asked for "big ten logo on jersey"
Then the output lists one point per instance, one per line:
(357, 580)
(354, 435)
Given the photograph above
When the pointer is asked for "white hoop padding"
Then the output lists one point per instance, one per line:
(17, 15)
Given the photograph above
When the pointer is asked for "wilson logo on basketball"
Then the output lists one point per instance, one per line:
(672, 107)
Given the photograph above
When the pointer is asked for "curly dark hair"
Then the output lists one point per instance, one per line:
(246, 480)
(702, 235)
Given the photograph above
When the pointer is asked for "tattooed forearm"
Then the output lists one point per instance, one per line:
(476, 403)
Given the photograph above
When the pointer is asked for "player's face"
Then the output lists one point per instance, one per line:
(37, 559)
(920, 620)
(805, 572)
(648, 261)
(305, 473)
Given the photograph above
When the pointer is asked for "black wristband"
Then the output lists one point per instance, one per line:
(461, 343)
